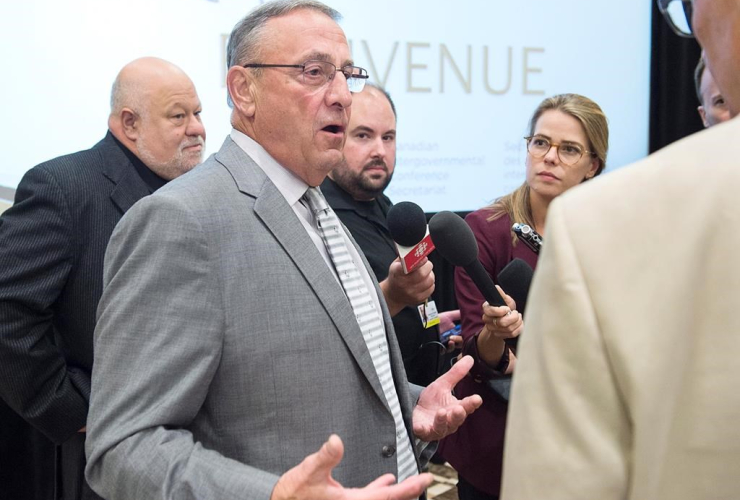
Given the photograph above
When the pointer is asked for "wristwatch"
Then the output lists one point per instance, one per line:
(503, 363)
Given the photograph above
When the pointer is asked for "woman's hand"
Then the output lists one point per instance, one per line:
(499, 323)
(504, 322)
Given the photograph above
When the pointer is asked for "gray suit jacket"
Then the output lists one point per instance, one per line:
(225, 350)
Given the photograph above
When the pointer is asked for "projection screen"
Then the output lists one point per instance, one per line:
(465, 77)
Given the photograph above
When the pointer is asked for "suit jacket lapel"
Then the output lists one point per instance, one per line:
(270, 206)
(129, 187)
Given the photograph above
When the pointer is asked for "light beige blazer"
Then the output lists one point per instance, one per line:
(628, 381)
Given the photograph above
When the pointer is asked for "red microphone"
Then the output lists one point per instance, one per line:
(408, 227)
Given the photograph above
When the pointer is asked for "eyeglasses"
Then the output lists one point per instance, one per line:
(568, 152)
(678, 14)
(318, 73)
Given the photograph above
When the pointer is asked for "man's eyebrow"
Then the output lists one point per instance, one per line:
(323, 56)
(363, 128)
(317, 56)
(370, 130)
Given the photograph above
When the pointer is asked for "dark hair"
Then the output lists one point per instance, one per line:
(385, 93)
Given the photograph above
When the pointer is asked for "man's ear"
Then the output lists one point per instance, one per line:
(130, 123)
(703, 115)
(241, 85)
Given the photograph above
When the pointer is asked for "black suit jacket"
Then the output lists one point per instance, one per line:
(52, 245)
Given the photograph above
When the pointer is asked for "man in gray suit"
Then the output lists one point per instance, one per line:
(228, 350)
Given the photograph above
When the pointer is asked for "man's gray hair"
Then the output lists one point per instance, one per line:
(698, 77)
(244, 42)
(125, 94)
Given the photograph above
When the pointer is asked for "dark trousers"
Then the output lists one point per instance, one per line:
(26, 459)
(71, 484)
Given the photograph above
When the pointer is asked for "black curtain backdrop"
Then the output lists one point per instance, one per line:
(673, 116)
(673, 99)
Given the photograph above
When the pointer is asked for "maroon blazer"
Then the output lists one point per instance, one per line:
(476, 449)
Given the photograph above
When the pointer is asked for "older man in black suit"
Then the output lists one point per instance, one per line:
(52, 244)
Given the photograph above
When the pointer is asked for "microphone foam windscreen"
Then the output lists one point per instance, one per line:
(453, 238)
(515, 279)
(407, 223)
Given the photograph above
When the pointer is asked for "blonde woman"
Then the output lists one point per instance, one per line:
(566, 145)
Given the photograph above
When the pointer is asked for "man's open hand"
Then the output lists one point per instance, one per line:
(311, 479)
(438, 412)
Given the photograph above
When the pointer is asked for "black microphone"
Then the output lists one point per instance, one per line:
(456, 242)
(407, 223)
(408, 227)
(515, 279)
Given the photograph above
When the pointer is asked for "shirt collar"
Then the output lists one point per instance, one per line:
(152, 180)
(339, 199)
(290, 185)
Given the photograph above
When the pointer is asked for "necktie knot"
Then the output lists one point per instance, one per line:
(316, 201)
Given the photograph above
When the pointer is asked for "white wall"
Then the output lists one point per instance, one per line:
(465, 76)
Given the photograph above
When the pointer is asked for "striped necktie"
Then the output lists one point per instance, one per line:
(368, 318)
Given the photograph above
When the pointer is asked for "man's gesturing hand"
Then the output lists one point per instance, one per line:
(438, 412)
(311, 479)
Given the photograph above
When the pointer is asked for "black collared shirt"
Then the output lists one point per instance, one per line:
(152, 180)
